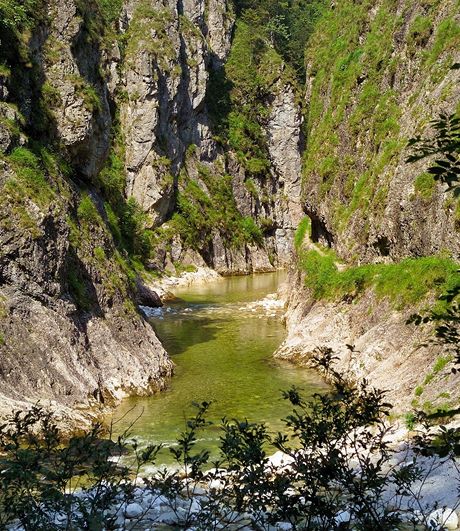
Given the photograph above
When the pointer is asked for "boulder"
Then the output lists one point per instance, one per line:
(146, 296)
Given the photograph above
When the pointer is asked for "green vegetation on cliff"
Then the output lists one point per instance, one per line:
(209, 208)
(361, 59)
(267, 54)
(405, 283)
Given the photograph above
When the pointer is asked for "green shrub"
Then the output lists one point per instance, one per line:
(447, 37)
(200, 215)
(78, 289)
(110, 9)
(16, 15)
(87, 211)
(86, 479)
(99, 254)
(51, 97)
(250, 230)
(410, 420)
(441, 363)
(420, 31)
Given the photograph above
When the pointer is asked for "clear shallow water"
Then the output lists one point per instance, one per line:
(221, 338)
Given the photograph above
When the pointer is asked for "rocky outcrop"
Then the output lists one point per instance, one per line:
(390, 76)
(171, 53)
(166, 70)
(70, 333)
(371, 340)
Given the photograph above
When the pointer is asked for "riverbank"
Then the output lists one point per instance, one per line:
(372, 340)
(165, 285)
(188, 501)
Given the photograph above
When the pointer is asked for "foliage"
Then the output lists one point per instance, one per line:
(425, 185)
(110, 9)
(268, 45)
(16, 15)
(40, 468)
(444, 147)
(87, 211)
(285, 25)
(78, 289)
(354, 62)
(30, 176)
(126, 219)
(339, 470)
(202, 214)
(447, 322)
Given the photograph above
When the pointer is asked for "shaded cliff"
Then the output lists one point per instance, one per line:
(70, 329)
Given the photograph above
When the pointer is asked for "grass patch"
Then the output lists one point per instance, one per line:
(353, 66)
(201, 214)
(425, 185)
(303, 230)
(87, 211)
(404, 283)
(29, 182)
(78, 290)
(419, 390)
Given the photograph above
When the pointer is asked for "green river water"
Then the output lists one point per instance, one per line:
(222, 340)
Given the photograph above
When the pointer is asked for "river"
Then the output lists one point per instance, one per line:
(221, 336)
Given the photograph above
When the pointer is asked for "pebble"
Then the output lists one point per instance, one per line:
(342, 517)
(168, 517)
(284, 526)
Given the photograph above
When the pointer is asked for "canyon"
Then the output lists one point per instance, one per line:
(143, 137)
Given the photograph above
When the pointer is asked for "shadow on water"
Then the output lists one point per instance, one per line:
(178, 335)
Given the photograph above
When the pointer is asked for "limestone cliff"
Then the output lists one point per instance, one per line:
(70, 330)
(172, 57)
(389, 75)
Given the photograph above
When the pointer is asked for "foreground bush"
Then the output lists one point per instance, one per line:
(337, 470)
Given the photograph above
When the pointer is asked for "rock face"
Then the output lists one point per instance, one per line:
(70, 332)
(391, 74)
(172, 51)
(372, 341)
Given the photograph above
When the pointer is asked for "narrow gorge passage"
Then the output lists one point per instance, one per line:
(221, 336)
